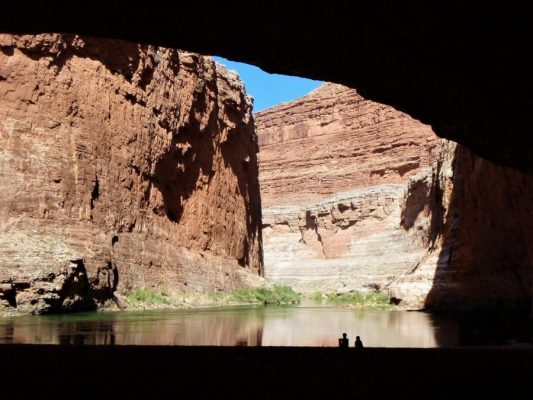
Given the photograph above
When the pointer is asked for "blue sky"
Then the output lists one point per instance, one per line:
(267, 89)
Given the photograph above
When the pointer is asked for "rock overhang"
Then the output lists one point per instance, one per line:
(462, 69)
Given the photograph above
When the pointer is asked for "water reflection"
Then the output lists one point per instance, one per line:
(323, 326)
(238, 326)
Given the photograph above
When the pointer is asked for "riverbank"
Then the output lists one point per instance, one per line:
(145, 299)
(263, 372)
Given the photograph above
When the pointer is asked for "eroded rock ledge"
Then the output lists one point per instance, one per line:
(123, 165)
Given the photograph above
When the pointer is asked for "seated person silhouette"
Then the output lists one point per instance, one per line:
(343, 341)
(358, 342)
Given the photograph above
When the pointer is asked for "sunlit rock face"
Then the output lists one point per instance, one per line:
(333, 140)
(335, 170)
(123, 165)
(362, 197)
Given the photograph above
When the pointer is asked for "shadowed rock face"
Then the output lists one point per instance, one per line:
(464, 69)
(135, 162)
(360, 196)
(480, 237)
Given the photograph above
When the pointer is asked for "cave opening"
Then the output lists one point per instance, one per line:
(392, 205)
(449, 65)
(359, 199)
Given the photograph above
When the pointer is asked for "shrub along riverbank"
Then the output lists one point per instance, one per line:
(277, 295)
(356, 299)
(145, 298)
(148, 298)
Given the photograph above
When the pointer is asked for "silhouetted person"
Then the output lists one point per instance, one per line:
(343, 341)
(358, 343)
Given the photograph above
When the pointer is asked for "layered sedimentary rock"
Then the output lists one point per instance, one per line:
(334, 140)
(123, 165)
(334, 171)
(452, 231)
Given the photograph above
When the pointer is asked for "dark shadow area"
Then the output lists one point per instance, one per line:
(114, 240)
(482, 328)
(118, 56)
(425, 196)
(8, 51)
(264, 373)
(486, 239)
(74, 295)
(104, 283)
(416, 202)
(243, 140)
(95, 194)
(489, 328)
(447, 64)
(189, 156)
(8, 293)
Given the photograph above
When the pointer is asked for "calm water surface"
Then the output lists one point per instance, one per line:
(237, 326)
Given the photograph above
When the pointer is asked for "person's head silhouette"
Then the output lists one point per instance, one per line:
(343, 342)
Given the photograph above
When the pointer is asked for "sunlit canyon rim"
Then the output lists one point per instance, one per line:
(359, 196)
(123, 166)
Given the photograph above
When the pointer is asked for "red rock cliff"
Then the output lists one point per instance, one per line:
(334, 140)
(123, 165)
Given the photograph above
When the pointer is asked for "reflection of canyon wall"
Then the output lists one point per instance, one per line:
(196, 328)
(318, 327)
(362, 196)
(122, 164)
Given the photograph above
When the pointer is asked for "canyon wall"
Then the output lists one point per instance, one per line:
(334, 172)
(123, 166)
(479, 233)
(362, 197)
(333, 140)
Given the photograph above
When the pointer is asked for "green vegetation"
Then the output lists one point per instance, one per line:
(375, 299)
(147, 297)
(268, 296)
(150, 298)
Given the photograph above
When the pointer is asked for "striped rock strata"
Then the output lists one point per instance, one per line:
(123, 166)
(334, 172)
(362, 197)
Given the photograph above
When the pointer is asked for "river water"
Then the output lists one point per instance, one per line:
(306, 325)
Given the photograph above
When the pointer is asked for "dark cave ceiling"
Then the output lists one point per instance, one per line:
(465, 71)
